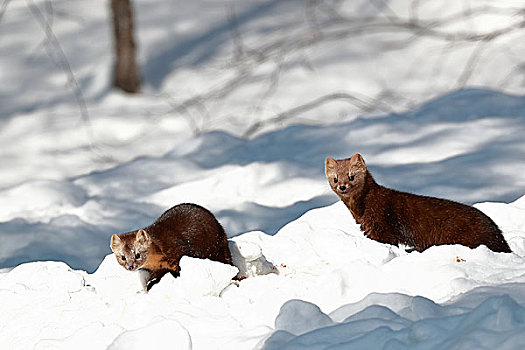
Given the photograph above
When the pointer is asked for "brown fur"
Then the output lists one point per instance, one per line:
(395, 217)
(185, 229)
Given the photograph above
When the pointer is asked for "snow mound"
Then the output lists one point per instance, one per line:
(157, 335)
(298, 317)
(43, 277)
(198, 278)
(249, 259)
(112, 281)
(419, 323)
(334, 287)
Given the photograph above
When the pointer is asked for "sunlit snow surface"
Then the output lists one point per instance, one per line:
(334, 287)
(313, 280)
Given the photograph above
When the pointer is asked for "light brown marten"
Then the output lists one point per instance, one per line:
(395, 217)
(185, 229)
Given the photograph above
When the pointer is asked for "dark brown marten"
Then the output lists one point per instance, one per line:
(185, 229)
(395, 217)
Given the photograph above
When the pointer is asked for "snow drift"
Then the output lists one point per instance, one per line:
(334, 288)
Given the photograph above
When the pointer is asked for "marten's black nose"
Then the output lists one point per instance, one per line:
(130, 268)
(342, 187)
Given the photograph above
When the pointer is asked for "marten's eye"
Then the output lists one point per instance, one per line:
(335, 180)
(123, 258)
(351, 177)
(137, 256)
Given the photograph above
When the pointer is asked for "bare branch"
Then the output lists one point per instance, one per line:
(293, 112)
(324, 23)
(471, 64)
(3, 8)
(238, 44)
(66, 68)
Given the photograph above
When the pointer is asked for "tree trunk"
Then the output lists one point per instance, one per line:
(126, 76)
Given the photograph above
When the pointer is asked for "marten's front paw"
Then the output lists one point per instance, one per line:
(151, 283)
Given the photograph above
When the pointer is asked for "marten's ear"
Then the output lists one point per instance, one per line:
(357, 161)
(115, 242)
(142, 237)
(330, 164)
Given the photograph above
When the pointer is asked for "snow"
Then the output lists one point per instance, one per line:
(417, 323)
(157, 334)
(332, 287)
(242, 102)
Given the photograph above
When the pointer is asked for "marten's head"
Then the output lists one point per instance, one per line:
(346, 176)
(131, 248)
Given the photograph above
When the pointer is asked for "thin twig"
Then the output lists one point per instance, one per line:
(337, 27)
(3, 8)
(295, 111)
(471, 64)
(66, 68)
